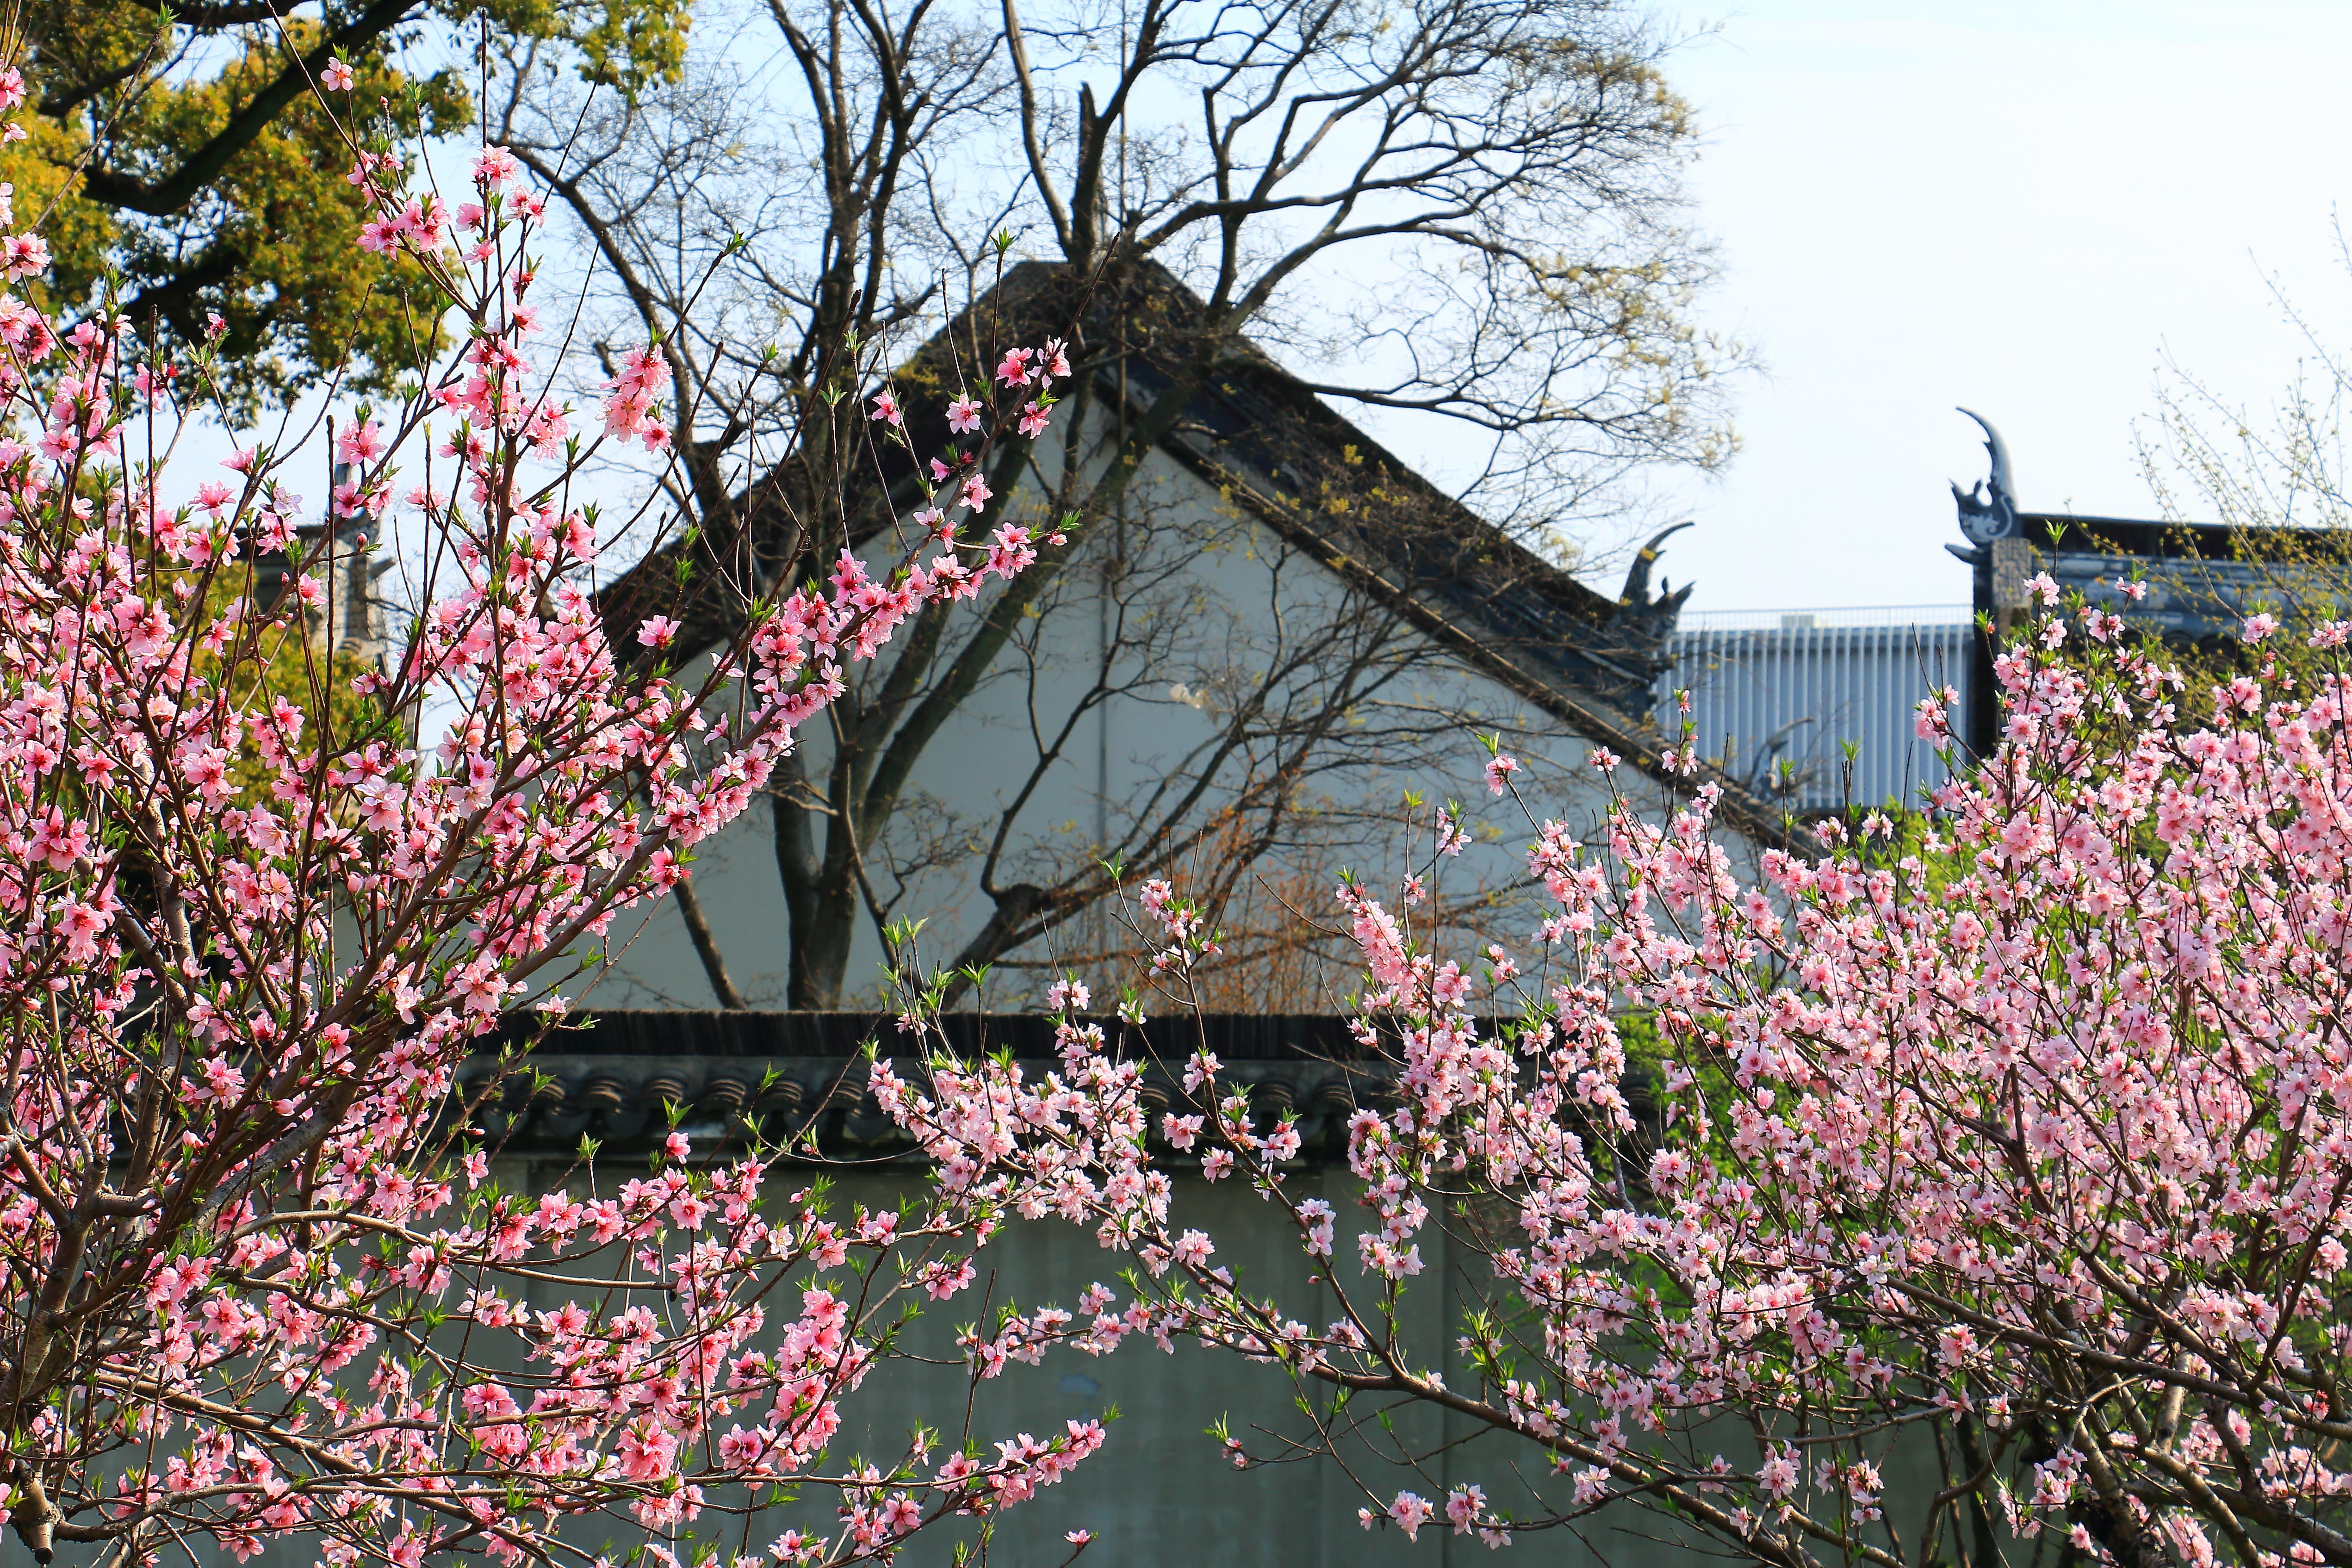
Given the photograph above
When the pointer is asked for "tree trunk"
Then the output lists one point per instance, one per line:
(821, 946)
(706, 948)
(820, 898)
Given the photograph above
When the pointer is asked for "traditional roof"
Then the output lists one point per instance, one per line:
(2204, 579)
(615, 1076)
(1272, 447)
(2199, 580)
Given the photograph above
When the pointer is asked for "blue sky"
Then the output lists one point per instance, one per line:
(2021, 208)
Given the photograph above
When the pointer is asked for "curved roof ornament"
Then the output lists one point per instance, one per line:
(1760, 771)
(1985, 518)
(1637, 576)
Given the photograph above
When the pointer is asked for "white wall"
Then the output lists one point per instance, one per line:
(1215, 599)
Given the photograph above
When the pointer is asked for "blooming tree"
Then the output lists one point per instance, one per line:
(2015, 1153)
(259, 1284)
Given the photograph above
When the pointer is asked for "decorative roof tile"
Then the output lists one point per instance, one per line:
(616, 1077)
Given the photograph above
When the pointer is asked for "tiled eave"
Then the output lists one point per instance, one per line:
(615, 1077)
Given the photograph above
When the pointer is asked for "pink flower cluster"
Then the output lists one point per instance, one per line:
(261, 1285)
(959, 479)
(2037, 1122)
(629, 403)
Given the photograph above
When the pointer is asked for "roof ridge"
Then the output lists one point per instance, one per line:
(1527, 622)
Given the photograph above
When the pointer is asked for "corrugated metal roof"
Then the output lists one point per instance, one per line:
(1776, 707)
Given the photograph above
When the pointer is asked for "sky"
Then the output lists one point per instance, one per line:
(2022, 208)
(2026, 209)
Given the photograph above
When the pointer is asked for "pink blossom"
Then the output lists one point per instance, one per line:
(495, 167)
(629, 403)
(334, 914)
(361, 441)
(23, 256)
(1924, 1087)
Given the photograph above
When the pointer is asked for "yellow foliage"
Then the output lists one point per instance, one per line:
(46, 196)
(195, 165)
